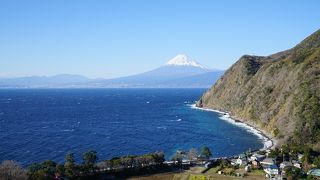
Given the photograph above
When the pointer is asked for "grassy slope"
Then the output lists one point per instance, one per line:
(255, 175)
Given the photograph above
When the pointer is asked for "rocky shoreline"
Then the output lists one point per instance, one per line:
(268, 141)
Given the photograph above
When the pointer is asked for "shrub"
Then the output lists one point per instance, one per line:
(10, 170)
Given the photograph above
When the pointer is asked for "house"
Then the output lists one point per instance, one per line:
(314, 172)
(285, 164)
(186, 162)
(170, 162)
(233, 162)
(297, 164)
(255, 164)
(267, 162)
(257, 157)
(242, 160)
(300, 157)
(208, 165)
(272, 170)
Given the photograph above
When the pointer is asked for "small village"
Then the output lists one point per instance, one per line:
(260, 164)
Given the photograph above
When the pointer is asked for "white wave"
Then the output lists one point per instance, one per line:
(267, 142)
(115, 122)
(179, 120)
(68, 130)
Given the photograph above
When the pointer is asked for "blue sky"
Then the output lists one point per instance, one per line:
(118, 38)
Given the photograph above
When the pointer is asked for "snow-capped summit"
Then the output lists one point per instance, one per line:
(179, 72)
(184, 60)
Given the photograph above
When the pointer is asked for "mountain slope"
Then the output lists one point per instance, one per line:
(199, 80)
(279, 93)
(181, 71)
(155, 77)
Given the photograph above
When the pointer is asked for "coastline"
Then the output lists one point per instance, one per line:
(268, 141)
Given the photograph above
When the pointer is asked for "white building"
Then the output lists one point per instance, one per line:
(272, 170)
(285, 164)
(242, 160)
(257, 157)
(267, 162)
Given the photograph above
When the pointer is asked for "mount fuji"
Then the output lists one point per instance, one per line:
(179, 72)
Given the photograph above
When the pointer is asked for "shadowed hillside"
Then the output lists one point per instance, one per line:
(279, 93)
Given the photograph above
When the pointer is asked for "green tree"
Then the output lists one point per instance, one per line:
(33, 171)
(306, 156)
(60, 169)
(42, 171)
(316, 161)
(89, 160)
(90, 157)
(49, 168)
(158, 157)
(293, 173)
(205, 152)
(275, 153)
(69, 165)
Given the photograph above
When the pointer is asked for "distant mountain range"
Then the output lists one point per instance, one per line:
(43, 81)
(179, 72)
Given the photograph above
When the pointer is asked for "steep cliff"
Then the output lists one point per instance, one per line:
(279, 93)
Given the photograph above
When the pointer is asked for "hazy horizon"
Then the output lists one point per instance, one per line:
(62, 74)
(107, 39)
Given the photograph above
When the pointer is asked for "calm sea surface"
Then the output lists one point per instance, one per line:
(37, 125)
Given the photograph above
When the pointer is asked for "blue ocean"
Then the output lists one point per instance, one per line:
(42, 124)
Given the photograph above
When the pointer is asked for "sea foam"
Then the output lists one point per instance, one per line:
(267, 142)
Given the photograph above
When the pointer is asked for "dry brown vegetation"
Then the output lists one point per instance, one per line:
(11, 170)
(278, 93)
